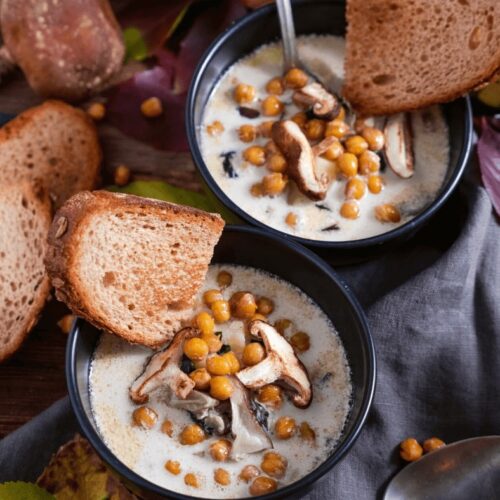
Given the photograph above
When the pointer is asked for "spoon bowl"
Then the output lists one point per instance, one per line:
(461, 471)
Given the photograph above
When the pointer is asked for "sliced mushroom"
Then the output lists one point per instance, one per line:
(163, 369)
(249, 437)
(281, 363)
(204, 409)
(300, 158)
(398, 148)
(323, 104)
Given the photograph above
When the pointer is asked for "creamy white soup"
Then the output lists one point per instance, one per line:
(290, 210)
(317, 428)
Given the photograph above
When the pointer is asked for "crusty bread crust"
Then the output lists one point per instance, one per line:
(403, 55)
(20, 302)
(54, 142)
(65, 238)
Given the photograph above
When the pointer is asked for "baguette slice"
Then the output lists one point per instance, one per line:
(130, 265)
(25, 216)
(403, 55)
(54, 142)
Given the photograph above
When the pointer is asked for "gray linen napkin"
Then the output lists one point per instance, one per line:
(432, 308)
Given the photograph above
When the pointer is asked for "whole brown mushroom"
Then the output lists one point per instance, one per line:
(66, 48)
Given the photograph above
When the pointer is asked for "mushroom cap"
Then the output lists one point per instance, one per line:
(322, 103)
(163, 369)
(302, 168)
(66, 49)
(398, 148)
(281, 363)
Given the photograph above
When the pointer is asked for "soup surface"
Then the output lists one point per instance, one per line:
(116, 365)
(223, 152)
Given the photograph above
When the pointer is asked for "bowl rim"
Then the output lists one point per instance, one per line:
(394, 234)
(368, 394)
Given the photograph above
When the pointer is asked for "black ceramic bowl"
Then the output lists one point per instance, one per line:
(321, 17)
(252, 247)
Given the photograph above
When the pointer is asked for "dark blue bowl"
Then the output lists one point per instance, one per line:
(322, 17)
(249, 246)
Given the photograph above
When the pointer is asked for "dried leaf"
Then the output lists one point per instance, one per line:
(75, 472)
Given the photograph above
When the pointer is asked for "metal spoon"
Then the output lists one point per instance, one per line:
(459, 471)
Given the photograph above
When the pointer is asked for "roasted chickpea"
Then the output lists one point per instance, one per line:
(173, 467)
(374, 137)
(244, 94)
(257, 190)
(295, 78)
(291, 219)
(215, 128)
(253, 353)
(195, 349)
(300, 341)
(369, 162)
(356, 145)
(191, 434)
(191, 479)
(248, 473)
(275, 86)
(355, 188)
(306, 432)
(387, 213)
(432, 444)
(375, 184)
(255, 155)
(224, 279)
(152, 107)
(258, 316)
(334, 151)
(220, 450)
(336, 128)
(282, 325)
(97, 111)
(201, 379)
(276, 163)
(342, 114)
(205, 322)
(315, 129)
(300, 119)
(243, 305)
(247, 133)
(122, 175)
(218, 365)
(221, 311)
(220, 387)
(272, 106)
(274, 464)
(285, 427)
(271, 148)
(144, 417)
(222, 477)
(274, 183)
(270, 395)
(210, 296)
(350, 209)
(213, 341)
(265, 306)
(234, 364)
(262, 485)
(348, 164)
(265, 128)
(167, 428)
(410, 450)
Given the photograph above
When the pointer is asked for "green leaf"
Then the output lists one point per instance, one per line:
(23, 491)
(135, 46)
(161, 190)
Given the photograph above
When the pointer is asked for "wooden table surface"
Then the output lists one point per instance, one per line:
(34, 378)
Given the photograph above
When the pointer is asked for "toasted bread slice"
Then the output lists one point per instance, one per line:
(405, 55)
(130, 265)
(25, 215)
(54, 142)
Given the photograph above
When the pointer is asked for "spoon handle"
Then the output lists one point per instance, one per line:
(287, 33)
